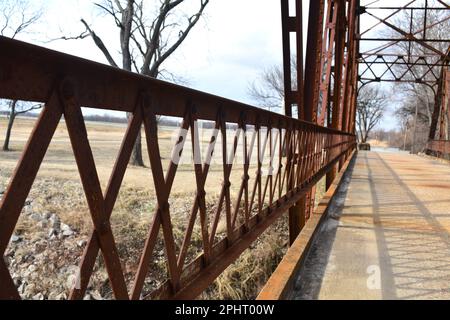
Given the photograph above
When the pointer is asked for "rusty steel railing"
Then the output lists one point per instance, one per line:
(305, 153)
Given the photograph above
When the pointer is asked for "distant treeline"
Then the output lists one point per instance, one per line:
(164, 121)
(101, 118)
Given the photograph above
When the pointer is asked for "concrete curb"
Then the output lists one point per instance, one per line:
(281, 282)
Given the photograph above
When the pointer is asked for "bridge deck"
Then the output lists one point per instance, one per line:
(387, 236)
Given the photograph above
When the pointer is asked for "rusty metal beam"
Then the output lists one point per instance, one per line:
(66, 83)
(294, 24)
(380, 65)
(313, 58)
(338, 81)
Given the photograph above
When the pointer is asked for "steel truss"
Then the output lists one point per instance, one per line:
(413, 55)
(308, 148)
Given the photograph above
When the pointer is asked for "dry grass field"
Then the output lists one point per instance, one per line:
(58, 191)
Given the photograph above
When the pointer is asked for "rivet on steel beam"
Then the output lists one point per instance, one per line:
(164, 208)
(103, 227)
(193, 108)
(68, 89)
(226, 184)
(243, 116)
(201, 193)
(146, 99)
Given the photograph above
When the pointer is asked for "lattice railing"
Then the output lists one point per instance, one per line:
(291, 156)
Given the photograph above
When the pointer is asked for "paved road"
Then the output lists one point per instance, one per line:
(388, 235)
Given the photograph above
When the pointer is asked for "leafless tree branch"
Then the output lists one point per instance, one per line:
(146, 41)
(99, 43)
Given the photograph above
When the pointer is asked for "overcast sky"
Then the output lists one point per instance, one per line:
(226, 51)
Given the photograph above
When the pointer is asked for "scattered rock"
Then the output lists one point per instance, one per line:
(57, 296)
(17, 280)
(27, 258)
(21, 288)
(40, 246)
(81, 243)
(71, 281)
(66, 230)
(61, 296)
(51, 233)
(55, 222)
(96, 295)
(36, 217)
(32, 268)
(43, 260)
(15, 238)
(68, 233)
(38, 296)
(28, 290)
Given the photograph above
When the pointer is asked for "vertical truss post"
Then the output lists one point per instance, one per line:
(350, 77)
(339, 55)
(313, 73)
(328, 45)
(293, 24)
(378, 64)
(355, 23)
(313, 58)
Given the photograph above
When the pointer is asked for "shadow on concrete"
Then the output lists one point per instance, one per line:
(410, 230)
(417, 247)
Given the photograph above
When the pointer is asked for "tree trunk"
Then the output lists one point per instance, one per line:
(404, 139)
(364, 137)
(413, 143)
(12, 117)
(125, 36)
(136, 154)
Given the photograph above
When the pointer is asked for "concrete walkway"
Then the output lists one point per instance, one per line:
(388, 234)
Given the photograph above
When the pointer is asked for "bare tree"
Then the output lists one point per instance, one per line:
(268, 89)
(16, 18)
(16, 108)
(370, 109)
(418, 96)
(147, 37)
